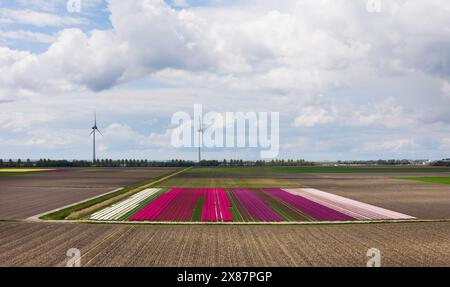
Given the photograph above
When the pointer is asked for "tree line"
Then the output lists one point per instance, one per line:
(377, 162)
(444, 162)
(149, 163)
(98, 163)
(204, 163)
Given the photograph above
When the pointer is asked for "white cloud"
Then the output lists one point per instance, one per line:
(180, 3)
(53, 5)
(311, 48)
(123, 136)
(36, 18)
(376, 73)
(24, 35)
(312, 116)
(446, 90)
(390, 145)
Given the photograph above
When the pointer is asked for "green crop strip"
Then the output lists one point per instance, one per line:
(15, 173)
(197, 216)
(440, 180)
(280, 212)
(235, 214)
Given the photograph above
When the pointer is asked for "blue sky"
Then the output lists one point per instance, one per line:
(348, 83)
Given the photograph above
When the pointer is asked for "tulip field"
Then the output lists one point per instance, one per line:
(215, 205)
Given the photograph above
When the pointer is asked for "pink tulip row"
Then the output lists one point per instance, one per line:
(353, 208)
(308, 207)
(216, 206)
(176, 205)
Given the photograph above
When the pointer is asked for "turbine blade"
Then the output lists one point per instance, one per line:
(99, 131)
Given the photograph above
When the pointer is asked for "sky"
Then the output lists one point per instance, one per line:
(350, 79)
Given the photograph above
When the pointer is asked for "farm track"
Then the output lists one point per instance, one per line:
(401, 244)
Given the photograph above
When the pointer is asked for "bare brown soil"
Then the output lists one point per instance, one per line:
(402, 244)
(25, 195)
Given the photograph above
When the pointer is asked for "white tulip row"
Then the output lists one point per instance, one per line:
(116, 211)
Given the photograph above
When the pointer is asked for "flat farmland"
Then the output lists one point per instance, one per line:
(188, 180)
(107, 244)
(46, 244)
(317, 169)
(25, 195)
(385, 187)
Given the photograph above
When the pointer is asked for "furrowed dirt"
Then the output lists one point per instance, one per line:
(46, 244)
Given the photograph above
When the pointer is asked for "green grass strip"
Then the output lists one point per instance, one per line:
(440, 180)
(198, 209)
(15, 173)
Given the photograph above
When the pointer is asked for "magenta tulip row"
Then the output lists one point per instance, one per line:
(176, 205)
(179, 204)
(216, 206)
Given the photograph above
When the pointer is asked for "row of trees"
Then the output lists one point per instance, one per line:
(148, 163)
(187, 163)
(99, 163)
(262, 163)
(444, 162)
(377, 162)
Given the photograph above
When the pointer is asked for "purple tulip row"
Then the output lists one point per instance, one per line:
(309, 207)
(255, 206)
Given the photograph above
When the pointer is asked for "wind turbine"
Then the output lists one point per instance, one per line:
(200, 137)
(94, 130)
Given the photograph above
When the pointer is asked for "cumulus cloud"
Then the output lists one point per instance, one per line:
(122, 136)
(25, 35)
(327, 66)
(312, 116)
(390, 145)
(36, 18)
(305, 44)
(446, 90)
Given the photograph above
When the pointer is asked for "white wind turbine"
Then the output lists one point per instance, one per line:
(94, 130)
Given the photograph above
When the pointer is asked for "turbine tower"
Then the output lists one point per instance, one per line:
(94, 130)
(200, 137)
